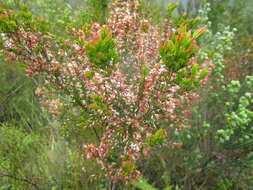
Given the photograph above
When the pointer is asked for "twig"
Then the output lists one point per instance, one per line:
(2, 174)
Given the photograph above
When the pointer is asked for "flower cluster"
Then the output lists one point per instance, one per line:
(116, 74)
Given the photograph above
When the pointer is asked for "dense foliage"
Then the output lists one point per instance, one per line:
(117, 98)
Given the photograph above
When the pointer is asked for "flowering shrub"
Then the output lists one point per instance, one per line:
(132, 81)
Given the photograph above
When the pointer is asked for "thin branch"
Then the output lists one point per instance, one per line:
(12, 93)
(3, 174)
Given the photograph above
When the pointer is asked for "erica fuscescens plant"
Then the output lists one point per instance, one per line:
(134, 82)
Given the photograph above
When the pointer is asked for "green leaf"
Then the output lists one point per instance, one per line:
(199, 32)
(171, 7)
(143, 185)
